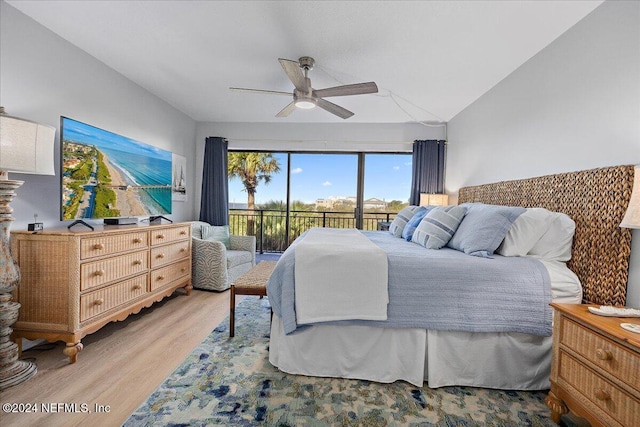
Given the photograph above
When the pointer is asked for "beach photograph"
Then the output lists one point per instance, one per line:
(106, 175)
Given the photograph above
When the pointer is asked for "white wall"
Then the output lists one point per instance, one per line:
(365, 137)
(43, 77)
(574, 106)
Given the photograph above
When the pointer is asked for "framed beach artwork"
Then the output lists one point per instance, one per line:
(107, 175)
(179, 182)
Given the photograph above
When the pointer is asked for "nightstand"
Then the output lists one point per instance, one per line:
(384, 225)
(595, 372)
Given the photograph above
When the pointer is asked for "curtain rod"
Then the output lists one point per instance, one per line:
(315, 140)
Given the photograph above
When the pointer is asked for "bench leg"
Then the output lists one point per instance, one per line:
(232, 311)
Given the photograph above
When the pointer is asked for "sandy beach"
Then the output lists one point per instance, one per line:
(127, 201)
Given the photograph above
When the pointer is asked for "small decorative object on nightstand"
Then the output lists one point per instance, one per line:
(595, 372)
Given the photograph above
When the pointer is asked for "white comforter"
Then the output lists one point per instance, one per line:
(339, 275)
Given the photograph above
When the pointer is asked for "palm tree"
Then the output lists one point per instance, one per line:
(251, 168)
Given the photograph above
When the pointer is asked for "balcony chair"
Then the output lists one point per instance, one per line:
(214, 267)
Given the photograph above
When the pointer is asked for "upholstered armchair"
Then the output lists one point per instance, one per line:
(214, 267)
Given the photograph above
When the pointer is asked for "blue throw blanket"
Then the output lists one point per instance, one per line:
(442, 289)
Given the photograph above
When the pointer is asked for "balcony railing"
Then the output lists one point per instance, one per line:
(270, 226)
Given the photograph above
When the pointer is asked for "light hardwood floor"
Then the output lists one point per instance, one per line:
(120, 365)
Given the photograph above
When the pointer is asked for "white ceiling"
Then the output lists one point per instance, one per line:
(430, 59)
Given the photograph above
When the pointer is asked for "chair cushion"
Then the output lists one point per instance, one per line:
(235, 258)
(216, 233)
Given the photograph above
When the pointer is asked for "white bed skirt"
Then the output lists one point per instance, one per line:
(491, 360)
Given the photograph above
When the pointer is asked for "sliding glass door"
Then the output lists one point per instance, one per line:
(305, 190)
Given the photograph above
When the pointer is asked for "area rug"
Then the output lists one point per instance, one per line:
(230, 382)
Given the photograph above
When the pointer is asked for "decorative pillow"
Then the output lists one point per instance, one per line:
(525, 232)
(216, 233)
(403, 217)
(437, 227)
(555, 244)
(411, 226)
(483, 228)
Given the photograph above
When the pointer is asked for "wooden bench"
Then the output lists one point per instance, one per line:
(253, 282)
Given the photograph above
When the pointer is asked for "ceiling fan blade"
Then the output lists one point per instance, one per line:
(354, 89)
(294, 72)
(333, 108)
(287, 110)
(267, 92)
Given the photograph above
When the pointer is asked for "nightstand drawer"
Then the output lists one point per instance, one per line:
(602, 397)
(617, 360)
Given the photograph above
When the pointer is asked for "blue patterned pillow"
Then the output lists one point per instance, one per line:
(410, 228)
(484, 228)
(437, 227)
(403, 217)
(216, 233)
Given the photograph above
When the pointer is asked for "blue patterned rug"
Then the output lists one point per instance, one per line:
(230, 382)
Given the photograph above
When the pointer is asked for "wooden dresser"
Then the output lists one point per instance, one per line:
(75, 282)
(595, 372)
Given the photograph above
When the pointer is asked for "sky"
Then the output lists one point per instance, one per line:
(320, 176)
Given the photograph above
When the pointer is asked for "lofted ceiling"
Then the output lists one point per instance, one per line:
(430, 59)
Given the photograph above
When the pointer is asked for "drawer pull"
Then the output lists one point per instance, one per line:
(98, 246)
(603, 354)
(183, 232)
(161, 277)
(98, 302)
(602, 395)
(99, 273)
(137, 240)
(137, 262)
(136, 287)
(183, 269)
(160, 256)
(160, 236)
(183, 249)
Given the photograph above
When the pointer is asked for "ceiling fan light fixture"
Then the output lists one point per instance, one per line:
(305, 104)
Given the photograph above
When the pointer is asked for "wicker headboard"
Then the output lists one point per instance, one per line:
(596, 200)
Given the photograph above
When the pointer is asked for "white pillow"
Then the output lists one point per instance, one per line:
(555, 244)
(525, 232)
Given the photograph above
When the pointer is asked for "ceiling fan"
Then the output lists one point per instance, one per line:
(305, 96)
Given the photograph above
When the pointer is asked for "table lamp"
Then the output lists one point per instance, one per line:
(25, 147)
(428, 199)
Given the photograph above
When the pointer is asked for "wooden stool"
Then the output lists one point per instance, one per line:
(253, 282)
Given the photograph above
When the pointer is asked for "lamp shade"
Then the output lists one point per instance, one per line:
(427, 199)
(26, 146)
(632, 216)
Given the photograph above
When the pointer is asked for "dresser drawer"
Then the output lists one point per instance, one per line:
(102, 300)
(622, 363)
(603, 397)
(92, 247)
(167, 235)
(163, 255)
(97, 273)
(165, 275)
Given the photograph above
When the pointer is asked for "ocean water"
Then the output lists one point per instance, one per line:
(145, 170)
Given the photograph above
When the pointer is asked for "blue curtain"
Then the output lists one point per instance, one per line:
(214, 199)
(428, 168)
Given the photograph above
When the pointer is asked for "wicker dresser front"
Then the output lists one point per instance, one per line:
(73, 283)
(596, 368)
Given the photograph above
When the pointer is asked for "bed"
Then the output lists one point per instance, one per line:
(505, 359)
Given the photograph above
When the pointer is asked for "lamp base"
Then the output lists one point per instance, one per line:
(12, 370)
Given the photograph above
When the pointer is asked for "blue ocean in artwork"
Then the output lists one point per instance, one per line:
(138, 169)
